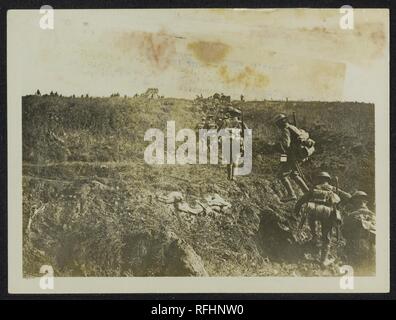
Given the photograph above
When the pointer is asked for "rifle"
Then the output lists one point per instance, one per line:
(302, 221)
(243, 129)
(299, 170)
(337, 227)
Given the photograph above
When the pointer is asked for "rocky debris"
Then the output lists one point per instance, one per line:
(217, 201)
(249, 218)
(212, 205)
(177, 199)
(172, 197)
(182, 260)
(275, 236)
(160, 253)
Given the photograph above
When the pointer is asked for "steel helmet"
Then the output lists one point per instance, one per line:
(359, 194)
(233, 111)
(323, 174)
(279, 117)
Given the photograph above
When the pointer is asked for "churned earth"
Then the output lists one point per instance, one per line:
(91, 205)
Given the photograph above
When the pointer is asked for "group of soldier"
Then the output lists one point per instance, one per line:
(323, 204)
(222, 114)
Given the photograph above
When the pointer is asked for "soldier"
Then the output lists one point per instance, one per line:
(202, 124)
(295, 146)
(359, 232)
(235, 125)
(320, 206)
(211, 123)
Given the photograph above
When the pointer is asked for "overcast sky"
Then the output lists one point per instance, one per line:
(298, 54)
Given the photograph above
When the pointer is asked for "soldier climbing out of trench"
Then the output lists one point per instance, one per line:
(320, 205)
(295, 146)
(359, 232)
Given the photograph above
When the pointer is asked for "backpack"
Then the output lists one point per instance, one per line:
(305, 145)
(324, 194)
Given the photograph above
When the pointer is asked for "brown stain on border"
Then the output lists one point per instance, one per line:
(209, 52)
(156, 48)
(248, 77)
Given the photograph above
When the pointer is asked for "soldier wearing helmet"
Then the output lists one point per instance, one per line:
(359, 231)
(319, 205)
(280, 119)
(290, 144)
(235, 126)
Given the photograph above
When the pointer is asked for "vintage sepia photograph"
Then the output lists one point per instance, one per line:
(199, 143)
